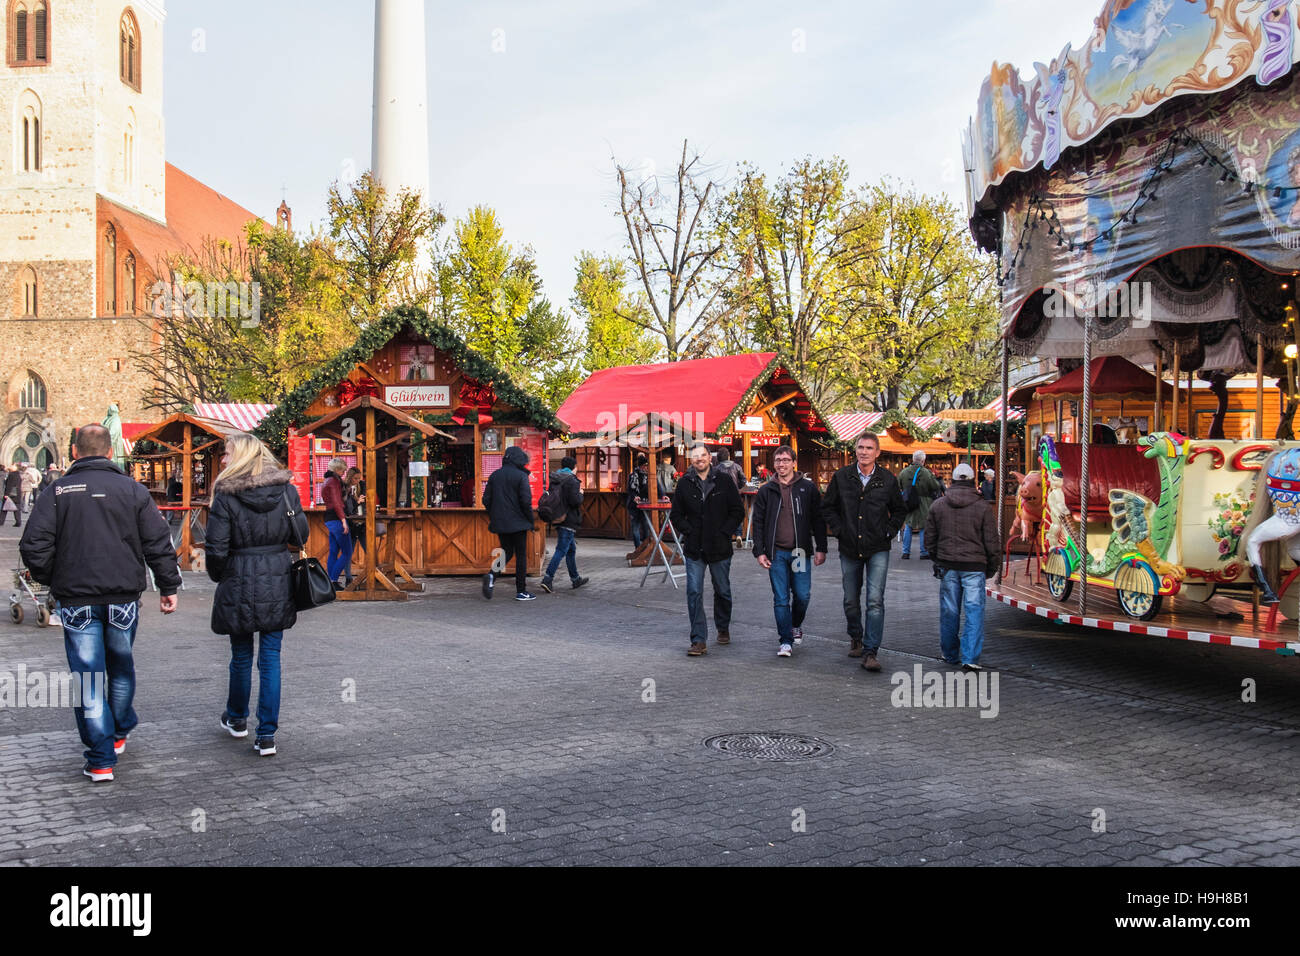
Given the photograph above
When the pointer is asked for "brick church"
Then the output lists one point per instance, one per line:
(89, 212)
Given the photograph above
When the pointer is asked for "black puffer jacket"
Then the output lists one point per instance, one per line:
(508, 497)
(248, 540)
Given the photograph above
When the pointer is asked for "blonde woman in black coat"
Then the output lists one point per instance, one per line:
(249, 534)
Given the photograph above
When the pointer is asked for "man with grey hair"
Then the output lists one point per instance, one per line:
(706, 513)
(339, 560)
(919, 488)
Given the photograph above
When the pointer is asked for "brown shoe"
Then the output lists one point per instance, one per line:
(871, 664)
(856, 649)
(697, 649)
(724, 637)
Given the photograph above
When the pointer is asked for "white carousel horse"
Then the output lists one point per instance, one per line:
(1278, 484)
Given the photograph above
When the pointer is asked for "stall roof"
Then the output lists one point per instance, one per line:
(289, 411)
(171, 429)
(369, 401)
(850, 425)
(245, 415)
(1112, 377)
(704, 394)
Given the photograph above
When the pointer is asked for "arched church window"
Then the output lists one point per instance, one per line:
(110, 271)
(28, 281)
(128, 55)
(33, 396)
(29, 33)
(128, 284)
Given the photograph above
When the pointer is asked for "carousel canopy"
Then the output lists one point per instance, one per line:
(1112, 377)
(704, 395)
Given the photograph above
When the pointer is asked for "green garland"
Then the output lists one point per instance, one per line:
(291, 408)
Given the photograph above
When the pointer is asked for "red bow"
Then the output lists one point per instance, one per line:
(348, 392)
(476, 399)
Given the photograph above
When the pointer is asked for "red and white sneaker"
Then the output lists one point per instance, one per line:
(98, 774)
(119, 746)
(798, 635)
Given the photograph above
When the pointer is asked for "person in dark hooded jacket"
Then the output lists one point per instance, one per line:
(508, 498)
(254, 519)
(568, 487)
(961, 532)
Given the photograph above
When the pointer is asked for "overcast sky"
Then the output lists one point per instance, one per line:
(264, 95)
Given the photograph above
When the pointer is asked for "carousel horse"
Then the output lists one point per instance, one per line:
(1276, 515)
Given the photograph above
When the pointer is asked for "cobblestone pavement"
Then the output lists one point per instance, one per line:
(537, 718)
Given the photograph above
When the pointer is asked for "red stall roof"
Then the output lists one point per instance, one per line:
(703, 394)
(1112, 377)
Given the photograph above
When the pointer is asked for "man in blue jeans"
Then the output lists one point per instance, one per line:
(706, 513)
(566, 485)
(863, 507)
(963, 533)
(89, 538)
(333, 497)
(787, 518)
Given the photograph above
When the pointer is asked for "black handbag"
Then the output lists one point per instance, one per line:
(308, 581)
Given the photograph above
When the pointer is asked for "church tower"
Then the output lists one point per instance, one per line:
(400, 133)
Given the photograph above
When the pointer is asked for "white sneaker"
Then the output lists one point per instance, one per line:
(784, 651)
(798, 636)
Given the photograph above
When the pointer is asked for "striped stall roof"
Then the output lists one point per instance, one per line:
(243, 415)
(1013, 413)
(852, 424)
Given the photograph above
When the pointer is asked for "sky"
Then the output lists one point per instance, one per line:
(533, 101)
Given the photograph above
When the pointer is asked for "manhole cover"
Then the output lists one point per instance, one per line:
(770, 746)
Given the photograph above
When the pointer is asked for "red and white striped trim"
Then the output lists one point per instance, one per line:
(1013, 413)
(1149, 630)
(243, 415)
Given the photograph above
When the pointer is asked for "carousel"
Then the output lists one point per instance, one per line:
(1142, 196)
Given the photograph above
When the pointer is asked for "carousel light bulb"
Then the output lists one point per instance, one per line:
(1291, 351)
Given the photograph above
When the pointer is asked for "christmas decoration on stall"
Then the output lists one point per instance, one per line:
(476, 401)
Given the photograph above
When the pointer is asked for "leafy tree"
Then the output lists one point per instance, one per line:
(381, 247)
(614, 321)
(794, 246)
(926, 326)
(491, 295)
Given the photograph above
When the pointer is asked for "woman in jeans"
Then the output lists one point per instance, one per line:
(248, 538)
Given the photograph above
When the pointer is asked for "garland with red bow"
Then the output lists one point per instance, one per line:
(476, 401)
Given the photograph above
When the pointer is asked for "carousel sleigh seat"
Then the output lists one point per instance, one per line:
(1109, 466)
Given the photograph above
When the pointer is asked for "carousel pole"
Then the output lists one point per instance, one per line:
(187, 477)
(1002, 453)
(1157, 413)
(1085, 440)
(1177, 388)
(1259, 386)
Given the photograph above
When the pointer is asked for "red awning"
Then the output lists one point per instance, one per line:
(700, 393)
(1112, 377)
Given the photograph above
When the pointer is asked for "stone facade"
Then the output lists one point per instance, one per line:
(102, 165)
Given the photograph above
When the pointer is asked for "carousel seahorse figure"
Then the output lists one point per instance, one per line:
(1277, 489)
(1139, 524)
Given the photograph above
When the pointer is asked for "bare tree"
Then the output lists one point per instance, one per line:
(675, 249)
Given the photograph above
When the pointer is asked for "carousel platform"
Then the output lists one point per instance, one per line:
(1181, 620)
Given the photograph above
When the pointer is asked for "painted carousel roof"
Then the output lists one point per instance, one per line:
(1142, 53)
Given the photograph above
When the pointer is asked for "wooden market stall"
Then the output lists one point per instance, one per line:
(748, 403)
(430, 420)
(193, 446)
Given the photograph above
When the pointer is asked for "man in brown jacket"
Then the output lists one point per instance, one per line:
(962, 535)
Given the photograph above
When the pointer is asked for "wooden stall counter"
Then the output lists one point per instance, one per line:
(431, 541)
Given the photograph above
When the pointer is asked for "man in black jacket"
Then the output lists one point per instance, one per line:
(706, 512)
(89, 539)
(566, 485)
(787, 517)
(508, 499)
(14, 492)
(864, 509)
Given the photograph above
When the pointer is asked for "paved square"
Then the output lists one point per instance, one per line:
(499, 732)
